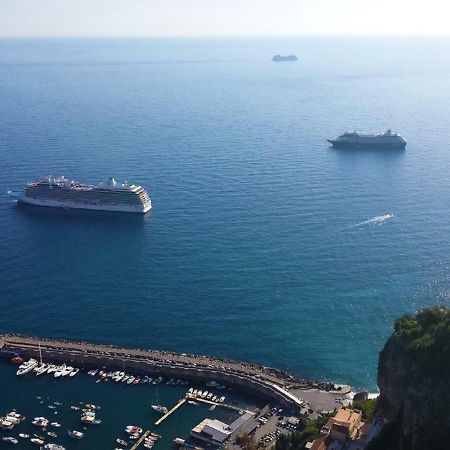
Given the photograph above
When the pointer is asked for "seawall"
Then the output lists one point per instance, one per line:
(271, 384)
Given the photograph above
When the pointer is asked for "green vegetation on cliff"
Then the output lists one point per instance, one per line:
(425, 336)
(414, 382)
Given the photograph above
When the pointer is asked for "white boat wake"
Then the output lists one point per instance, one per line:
(373, 221)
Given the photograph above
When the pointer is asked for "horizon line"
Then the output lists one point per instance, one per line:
(227, 36)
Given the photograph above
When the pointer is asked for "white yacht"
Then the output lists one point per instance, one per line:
(27, 367)
(160, 409)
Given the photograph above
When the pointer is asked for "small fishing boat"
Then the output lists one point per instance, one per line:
(74, 372)
(74, 434)
(40, 422)
(10, 440)
(54, 447)
(160, 409)
(17, 360)
(133, 429)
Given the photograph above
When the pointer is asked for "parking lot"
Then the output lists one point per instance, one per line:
(267, 426)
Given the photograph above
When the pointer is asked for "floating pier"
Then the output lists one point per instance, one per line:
(168, 413)
(271, 384)
(140, 441)
(225, 405)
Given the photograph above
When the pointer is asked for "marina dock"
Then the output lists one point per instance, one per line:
(271, 384)
(171, 411)
(140, 441)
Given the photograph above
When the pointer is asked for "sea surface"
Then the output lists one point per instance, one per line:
(264, 244)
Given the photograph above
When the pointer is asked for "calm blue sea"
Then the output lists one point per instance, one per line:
(264, 243)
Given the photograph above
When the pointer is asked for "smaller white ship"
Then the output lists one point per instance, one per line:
(388, 139)
(74, 434)
(283, 58)
(160, 409)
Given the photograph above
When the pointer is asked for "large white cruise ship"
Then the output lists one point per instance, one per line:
(61, 192)
(388, 139)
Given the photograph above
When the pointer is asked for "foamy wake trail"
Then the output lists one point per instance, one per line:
(373, 221)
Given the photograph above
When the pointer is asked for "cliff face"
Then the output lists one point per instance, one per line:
(414, 381)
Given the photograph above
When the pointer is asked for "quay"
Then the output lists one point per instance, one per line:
(171, 411)
(140, 441)
(197, 399)
(271, 384)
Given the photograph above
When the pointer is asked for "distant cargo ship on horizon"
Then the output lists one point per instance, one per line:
(60, 192)
(388, 139)
(281, 58)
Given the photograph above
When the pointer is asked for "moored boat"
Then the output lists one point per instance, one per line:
(74, 434)
(160, 409)
(10, 440)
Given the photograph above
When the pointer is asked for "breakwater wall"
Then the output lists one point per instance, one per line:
(271, 384)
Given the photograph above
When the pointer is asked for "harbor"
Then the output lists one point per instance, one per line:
(169, 396)
(61, 400)
(270, 384)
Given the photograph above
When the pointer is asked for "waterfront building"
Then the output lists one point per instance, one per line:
(211, 431)
(215, 432)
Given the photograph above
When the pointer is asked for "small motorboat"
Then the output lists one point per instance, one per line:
(132, 429)
(121, 442)
(54, 447)
(74, 434)
(18, 360)
(10, 440)
(160, 409)
(40, 422)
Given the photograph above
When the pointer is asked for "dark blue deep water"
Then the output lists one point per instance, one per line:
(262, 243)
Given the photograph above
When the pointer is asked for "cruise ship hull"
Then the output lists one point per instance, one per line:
(137, 209)
(380, 145)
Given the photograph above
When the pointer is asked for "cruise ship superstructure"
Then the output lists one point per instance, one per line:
(387, 139)
(110, 195)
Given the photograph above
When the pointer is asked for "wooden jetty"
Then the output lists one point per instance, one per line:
(168, 413)
(140, 441)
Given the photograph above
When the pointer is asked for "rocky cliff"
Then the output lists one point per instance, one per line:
(414, 381)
